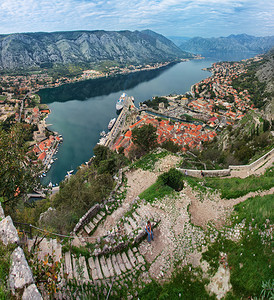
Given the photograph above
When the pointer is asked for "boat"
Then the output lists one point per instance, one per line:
(120, 102)
(111, 123)
(103, 133)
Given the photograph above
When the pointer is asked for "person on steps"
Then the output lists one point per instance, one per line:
(149, 232)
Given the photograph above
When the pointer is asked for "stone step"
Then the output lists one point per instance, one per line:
(126, 261)
(76, 269)
(76, 241)
(97, 265)
(132, 258)
(120, 263)
(93, 269)
(115, 265)
(83, 269)
(140, 258)
(128, 228)
(110, 267)
(80, 237)
(87, 229)
(132, 223)
(68, 266)
(97, 219)
(56, 250)
(102, 213)
(104, 267)
(137, 218)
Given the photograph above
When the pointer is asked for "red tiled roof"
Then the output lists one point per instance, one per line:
(42, 156)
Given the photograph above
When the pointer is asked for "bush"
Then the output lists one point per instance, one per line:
(173, 178)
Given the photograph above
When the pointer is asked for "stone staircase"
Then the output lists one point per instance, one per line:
(96, 269)
(115, 260)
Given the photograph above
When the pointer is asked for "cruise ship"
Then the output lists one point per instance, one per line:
(111, 123)
(121, 101)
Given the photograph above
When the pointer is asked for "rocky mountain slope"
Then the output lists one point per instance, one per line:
(41, 49)
(240, 42)
(265, 73)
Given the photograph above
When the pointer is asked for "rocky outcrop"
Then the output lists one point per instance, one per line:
(28, 50)
(265, 73)
(8, 233)
(20, 272)
(31, 292)
(20, 275)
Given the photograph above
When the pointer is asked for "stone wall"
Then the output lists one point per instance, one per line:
(255, 164)
(227, 172)
(86, 217)
(207, 173)
(21, 281)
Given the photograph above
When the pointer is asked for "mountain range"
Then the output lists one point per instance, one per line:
(42, 49)
(235, 43)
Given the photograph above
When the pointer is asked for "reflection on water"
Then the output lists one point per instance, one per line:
(99, 87)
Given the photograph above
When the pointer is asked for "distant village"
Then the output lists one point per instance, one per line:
(188, 120)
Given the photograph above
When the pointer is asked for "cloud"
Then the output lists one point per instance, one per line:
(170, 17)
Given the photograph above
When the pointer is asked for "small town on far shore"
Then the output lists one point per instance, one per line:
(187, 120)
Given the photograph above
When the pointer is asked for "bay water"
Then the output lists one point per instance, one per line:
(80, 111)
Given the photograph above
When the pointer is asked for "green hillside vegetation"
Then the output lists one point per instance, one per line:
(234, 187)
(250, 258)
(249, 81)
(5, 253)
(235, 145)
(154, 103)
(91, 184)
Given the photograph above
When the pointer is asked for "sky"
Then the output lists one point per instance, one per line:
(187, 18)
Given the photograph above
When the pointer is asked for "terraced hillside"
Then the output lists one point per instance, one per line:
(110, 256)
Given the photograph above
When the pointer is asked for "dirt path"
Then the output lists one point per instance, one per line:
(137, 182)
(214, 209)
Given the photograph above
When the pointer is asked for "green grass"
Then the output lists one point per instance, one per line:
(237, 187)
(157, 190)
(3, 98)
(234, 187)
(257, 209)
(249, 259)
(147, 162)
(5, 252)
(183, 285)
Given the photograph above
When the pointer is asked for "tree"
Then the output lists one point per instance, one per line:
(173, 178)
(170, 146)
(145, 137)
(17, 173)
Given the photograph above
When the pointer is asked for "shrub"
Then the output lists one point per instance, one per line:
(173, 178)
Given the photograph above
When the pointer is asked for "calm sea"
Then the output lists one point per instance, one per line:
(80, 111)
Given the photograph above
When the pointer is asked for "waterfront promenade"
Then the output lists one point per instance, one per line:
(120, 122)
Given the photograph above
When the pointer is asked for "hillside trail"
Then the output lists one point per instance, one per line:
(182, 230)
(138, 181)
(257, 170)
(214, 209)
